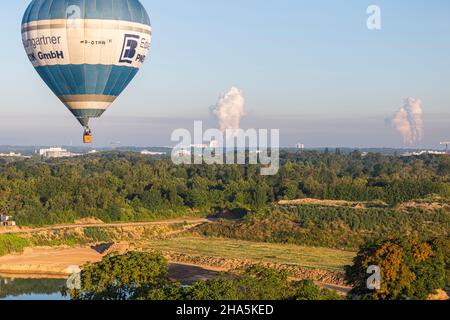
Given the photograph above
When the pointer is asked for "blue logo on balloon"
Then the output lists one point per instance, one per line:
(130, 44)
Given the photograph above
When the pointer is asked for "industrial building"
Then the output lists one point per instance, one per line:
(12, 155)
(56, 153)
(152, 153)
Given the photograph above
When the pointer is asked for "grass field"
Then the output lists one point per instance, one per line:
(318, 258)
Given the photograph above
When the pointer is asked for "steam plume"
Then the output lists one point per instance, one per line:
(408, 121)
(229, 110)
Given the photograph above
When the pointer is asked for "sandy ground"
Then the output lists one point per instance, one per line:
(59, 262)
(440, 295)
(48, 261)
(45, 261)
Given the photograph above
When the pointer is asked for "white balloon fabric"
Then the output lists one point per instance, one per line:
(87, 51)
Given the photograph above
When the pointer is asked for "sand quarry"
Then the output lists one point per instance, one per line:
(46, 262)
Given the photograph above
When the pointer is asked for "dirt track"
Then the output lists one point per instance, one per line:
(17, 230)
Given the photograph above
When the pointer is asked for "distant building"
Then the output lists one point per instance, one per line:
(152, 153)
(12, 155)
(92, 152)
(199, 146)
(300, 146)
(182, 152)
(56, 153)
(6, 221)
(423, 152)
(214, 144)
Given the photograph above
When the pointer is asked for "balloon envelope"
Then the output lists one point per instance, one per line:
(86, 51)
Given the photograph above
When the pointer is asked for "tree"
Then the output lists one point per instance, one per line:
(126, 277)
(261, 283)
(410, 269)
(214, 289)
(442, 247)
(152, 200)
(289, 189)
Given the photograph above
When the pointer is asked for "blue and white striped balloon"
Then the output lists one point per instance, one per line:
(86, 51)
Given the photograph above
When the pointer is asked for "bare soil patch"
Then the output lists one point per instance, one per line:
(50, 261)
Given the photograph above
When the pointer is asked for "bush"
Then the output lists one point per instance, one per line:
(215, 289)
(307, 290)
(11, 243)
(97, 234)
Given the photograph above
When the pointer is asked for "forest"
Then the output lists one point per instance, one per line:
(386, 208)
(116, 186)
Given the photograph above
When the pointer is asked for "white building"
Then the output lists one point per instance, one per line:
(56, 152)
(152, 153)
(11, 155)
(300, 146)
(423, 152)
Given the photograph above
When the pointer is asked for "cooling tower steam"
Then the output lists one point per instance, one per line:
(408, 121)
(229, 110)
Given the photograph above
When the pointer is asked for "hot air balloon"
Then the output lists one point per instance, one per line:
(86, 51)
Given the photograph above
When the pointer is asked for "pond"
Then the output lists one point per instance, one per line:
(12, 288)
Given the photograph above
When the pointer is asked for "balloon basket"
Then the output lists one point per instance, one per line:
(87, 139)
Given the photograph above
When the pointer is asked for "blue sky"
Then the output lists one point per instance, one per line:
(310, 68)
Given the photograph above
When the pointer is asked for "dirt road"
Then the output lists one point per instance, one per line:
(16, 230)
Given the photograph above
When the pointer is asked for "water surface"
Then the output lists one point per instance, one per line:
(31, 289)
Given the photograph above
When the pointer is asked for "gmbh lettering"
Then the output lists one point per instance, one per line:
(51, 55)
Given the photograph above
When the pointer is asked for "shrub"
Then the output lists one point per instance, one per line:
(11, 243)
